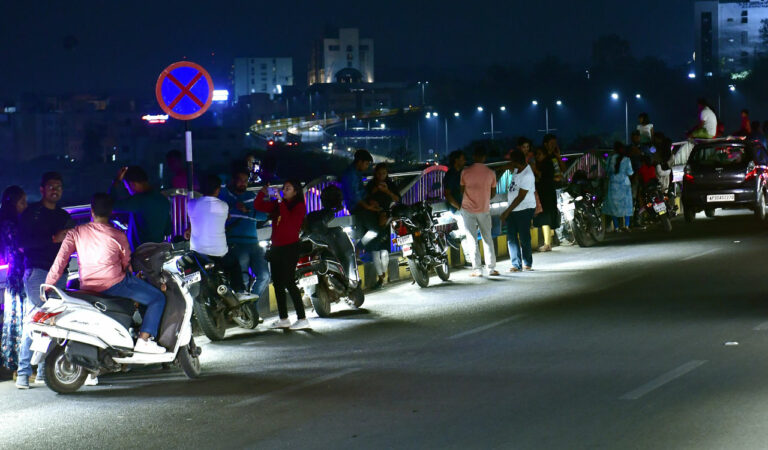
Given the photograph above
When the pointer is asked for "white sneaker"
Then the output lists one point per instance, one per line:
(91, 380)
(148, 346)
(476, 273)
(301, 324)
(281, 323)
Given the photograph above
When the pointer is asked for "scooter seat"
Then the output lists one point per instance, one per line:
(106, 303)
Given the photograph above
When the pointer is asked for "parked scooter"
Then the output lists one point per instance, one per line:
(655, 207)
(581, 207)
(79, 333)
(327, 268)
(424, 243)
(216, 305)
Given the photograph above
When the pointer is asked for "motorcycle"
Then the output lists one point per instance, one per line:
(327, 268)
(581, 209)
(216, 305)
(79, 333)
(655, 207)
(423, 241)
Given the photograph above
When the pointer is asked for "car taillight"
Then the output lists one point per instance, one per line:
(751, 171)
(688, 176)
(43, 316)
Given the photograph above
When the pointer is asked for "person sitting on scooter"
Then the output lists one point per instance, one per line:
(207, 236)
(104, 260)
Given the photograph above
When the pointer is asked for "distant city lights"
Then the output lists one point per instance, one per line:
(155, 118)
(220, 95)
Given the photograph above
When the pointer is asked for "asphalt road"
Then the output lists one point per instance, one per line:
(648, 341)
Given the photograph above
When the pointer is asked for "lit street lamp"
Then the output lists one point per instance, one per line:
(546, 129)
(615, 96)
(423, 85)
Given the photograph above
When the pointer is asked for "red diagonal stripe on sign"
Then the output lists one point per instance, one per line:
(185, 90)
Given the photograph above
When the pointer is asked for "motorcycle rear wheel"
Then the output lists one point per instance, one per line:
(189, 360)
(582, 237)
(321, 300)
(419, 273)
(598, 233)
(247, 317)
(213, 324)
(62, 376)
(443, 270)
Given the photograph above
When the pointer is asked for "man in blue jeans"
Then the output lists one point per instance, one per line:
(42, 228)
(519, 213)
(242, 231)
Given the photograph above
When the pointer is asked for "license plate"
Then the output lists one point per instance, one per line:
(721, 198)
(40, 344)
(569, 207)
(308, 281)
(407, 250)
(192, 278)
(660, 208)
(404, 240)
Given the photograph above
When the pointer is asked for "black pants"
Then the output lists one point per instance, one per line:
(282, 262)
(364, 221)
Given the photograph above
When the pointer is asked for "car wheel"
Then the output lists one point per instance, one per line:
(761, 212)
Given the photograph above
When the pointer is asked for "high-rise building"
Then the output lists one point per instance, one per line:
(342, 59)
(728, 35)
(262, 75)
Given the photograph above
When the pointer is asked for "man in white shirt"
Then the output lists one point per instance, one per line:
(521, 196)
(707, 127)
(207, 218)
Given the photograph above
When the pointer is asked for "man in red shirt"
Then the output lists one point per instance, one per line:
(104, 260)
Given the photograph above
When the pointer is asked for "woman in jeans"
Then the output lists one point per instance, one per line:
(383, 191)
(287, 215)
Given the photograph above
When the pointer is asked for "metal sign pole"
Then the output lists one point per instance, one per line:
(190, 175)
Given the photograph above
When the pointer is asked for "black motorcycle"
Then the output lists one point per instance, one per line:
(327, 267)
(655, 207)
(216, 304)
(423, 241)
(581, 209)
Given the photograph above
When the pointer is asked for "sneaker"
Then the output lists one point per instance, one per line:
(301, 324)
(246, 296)
(40, 379)
(148, 346)
(493, 273)
(476, 273)
(22, 382)
(528, 268)
(281, 324)
(514, 269)
(91, 380)
(379, 284)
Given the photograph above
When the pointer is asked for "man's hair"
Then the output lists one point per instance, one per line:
(239, 169)
(101, 204)
(381, 165)
(209, 184)
(522, 140)
(456, 154)
(48, 176)
(547, 138)
(136, 174)
(479, 151)
(517, 157)
(363, 155)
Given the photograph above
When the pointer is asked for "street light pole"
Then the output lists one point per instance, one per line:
(418, 125)
(626, 121)
(446, 135)
(492, 135)
(546, 119)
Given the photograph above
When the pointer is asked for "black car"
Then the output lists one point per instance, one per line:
(725, 173)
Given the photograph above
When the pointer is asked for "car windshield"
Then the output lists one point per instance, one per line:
(720, 155)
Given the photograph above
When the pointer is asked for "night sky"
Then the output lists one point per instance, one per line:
(109, 46)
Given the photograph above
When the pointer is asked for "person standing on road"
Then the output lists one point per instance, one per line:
(478, 184)
(42, 228)
(382, 192)
(104, 265)
(364, 215)
(287, 214)
(14, 202)
(618, 201)
(150, 211)
(243, 231)
(546, 186)
(519, 213)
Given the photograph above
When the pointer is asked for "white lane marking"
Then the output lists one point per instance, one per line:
(485, 327)
(762, 327)
(712, 250)
(294, 387)
(662, 380)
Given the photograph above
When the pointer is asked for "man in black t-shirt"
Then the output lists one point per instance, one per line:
(42, 228)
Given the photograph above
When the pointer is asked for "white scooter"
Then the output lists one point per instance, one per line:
(79, 332)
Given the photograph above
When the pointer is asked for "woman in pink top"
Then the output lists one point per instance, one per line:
(104, 260)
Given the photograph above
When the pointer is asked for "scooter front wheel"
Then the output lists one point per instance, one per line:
(61, 375)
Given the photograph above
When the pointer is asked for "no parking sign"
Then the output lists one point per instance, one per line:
(184, 90)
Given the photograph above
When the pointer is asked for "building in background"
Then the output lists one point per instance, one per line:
(342, 59)
(262, 76)
(728, 35)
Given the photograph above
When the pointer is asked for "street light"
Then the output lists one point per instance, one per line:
(535, 103)
(423, 85)
(615, 96)
(546, 115)
(559, 103)
(479, 109)
(503, 108)
(456, 114)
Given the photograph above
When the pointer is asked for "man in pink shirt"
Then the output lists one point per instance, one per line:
(478, 184)
(104, 260)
